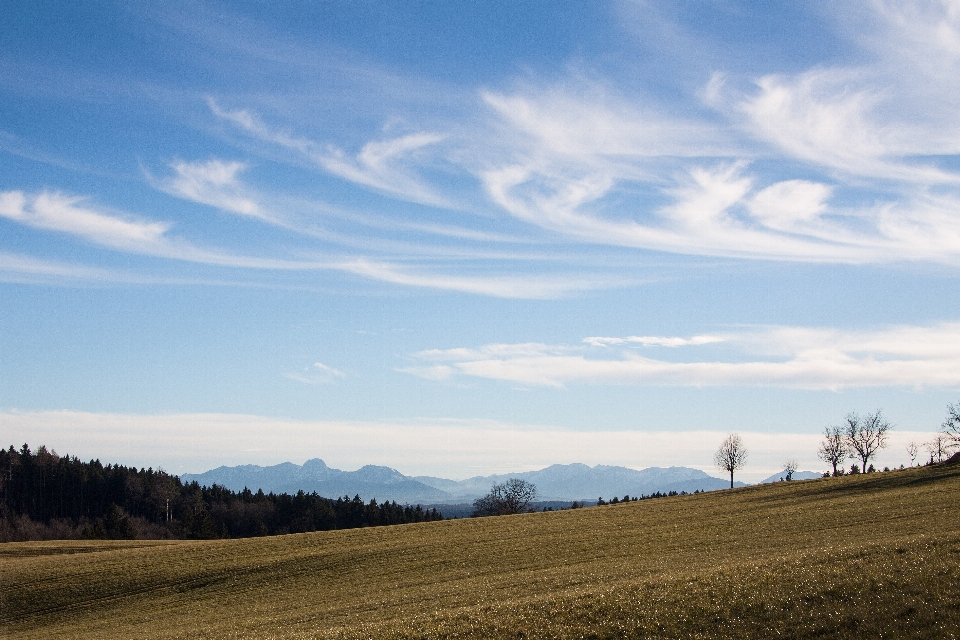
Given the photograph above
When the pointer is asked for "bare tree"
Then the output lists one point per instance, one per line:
(951, 426)
(833, 449)
(912, 450)
(790, 466)
(513, 496)
(867, 435)
(939, 448)
(731, 455)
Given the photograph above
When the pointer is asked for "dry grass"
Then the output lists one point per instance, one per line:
(864, 556)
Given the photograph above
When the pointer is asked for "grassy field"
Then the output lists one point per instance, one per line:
(870, 556)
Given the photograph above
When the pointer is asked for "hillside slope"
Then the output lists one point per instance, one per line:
(864, 556)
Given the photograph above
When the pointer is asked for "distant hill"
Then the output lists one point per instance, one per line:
(371, 481)
(581, 482)
(797, 475)
(557, 482)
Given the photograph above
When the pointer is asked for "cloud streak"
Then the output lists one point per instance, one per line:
(792, 357)
(57, 212)
(839, 164)
(380, 164)
(213, 183)
(316, 373)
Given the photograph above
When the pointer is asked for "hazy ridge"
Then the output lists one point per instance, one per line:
(556, 482)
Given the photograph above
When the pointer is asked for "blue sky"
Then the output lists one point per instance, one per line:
(474, 237)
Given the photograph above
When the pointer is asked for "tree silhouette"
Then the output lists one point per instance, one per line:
(867, 435)
(951, 426)
(513, 496)
(833, 449)
(731, 455)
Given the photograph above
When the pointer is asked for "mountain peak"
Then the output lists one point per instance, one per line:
(575, 481)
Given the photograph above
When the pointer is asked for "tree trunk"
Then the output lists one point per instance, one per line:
(731, 478)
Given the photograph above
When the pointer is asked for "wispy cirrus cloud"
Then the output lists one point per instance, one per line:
(586, 122)
(58, 212)
(891, 117)
(652, 341)
(120, 231)
(886, 126)
(215, 183)
(501, 286)
(861, 176)
(794, 357)
(385, 165)
(16, 267)
(833, 118)
(72, 215)
(594, 165)
(714, 211)
(316, 373)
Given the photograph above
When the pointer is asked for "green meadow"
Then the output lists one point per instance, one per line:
(867, 556)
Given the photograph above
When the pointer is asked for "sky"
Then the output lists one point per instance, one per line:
(476, 237)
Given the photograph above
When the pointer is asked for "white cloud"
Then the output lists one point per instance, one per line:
(125, 233)
(832, 118)
(531, 287)
(568, 158)
(708, 216)
(13, 266)
(585, 122)
(316, 373)
(212, 183)
(787, 205)
(653, 341)
(457, 449)
(383, 165)
(57, 212)
(888, 117)
(436, 373)
(882, 128)
(793, 357)
(587, 161)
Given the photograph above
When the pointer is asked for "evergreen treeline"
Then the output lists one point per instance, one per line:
(46, 496)
(656, 494)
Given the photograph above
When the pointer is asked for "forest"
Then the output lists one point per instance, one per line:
(46, 496)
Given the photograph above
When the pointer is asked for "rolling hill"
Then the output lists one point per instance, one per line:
(866, 556)
(371, 481)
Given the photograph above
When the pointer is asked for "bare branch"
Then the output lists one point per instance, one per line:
(731, 455)
(833, 450)
(951, 426)
(939, 448)
(513, 496)
(867, 435)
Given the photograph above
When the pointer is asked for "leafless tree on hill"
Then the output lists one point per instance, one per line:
(939, 448)
(790, 468)
(866, 435)
(951, 426)
(731, 455)
(833, 449)
(912, 450)
(513, 496)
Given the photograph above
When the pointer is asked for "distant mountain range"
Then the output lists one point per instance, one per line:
(557, 482)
